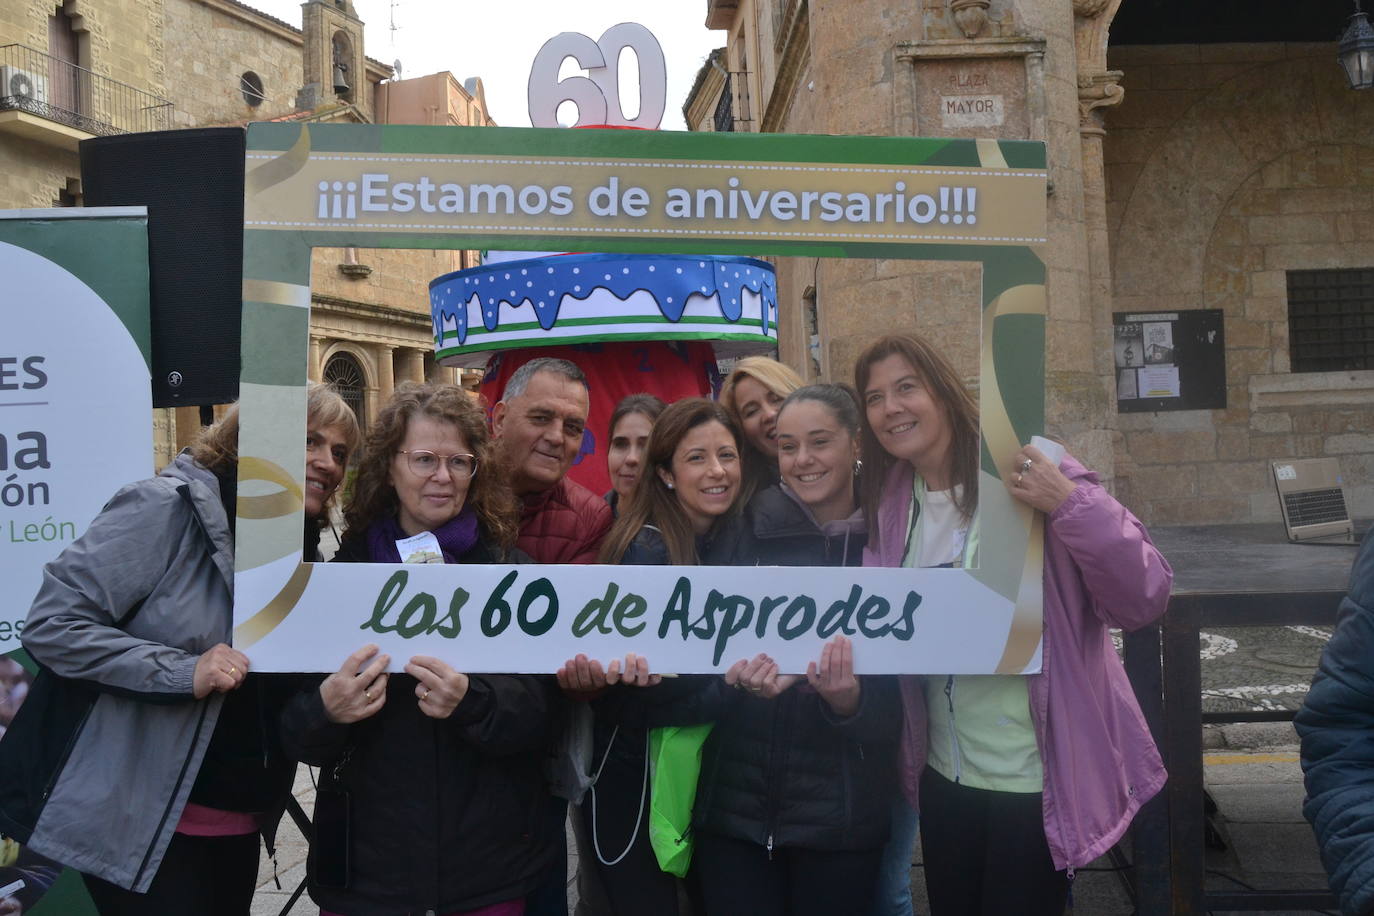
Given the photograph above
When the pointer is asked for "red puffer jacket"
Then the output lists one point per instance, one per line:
(564, 524)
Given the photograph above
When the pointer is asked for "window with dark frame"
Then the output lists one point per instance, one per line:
(346, 375)
(250, 84)
(1331, 319)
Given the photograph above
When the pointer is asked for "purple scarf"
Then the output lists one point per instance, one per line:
(456, 537)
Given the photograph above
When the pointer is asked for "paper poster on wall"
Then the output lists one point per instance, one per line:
(1169, 360)
(1158, 382)
(75, 425)
(1126, 384)
(1159, 343)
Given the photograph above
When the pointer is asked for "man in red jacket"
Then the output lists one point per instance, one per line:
(538, 424)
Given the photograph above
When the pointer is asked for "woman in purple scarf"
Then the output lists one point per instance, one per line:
(431, 785)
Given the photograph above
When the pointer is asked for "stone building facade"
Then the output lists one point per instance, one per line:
(1268, 162)
(1196, 161)
(196, 63)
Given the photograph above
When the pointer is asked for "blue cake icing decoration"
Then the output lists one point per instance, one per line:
(543, 282)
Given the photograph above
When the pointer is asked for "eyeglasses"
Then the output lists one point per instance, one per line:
(424, 463)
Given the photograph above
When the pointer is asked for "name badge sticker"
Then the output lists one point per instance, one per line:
(421, 548)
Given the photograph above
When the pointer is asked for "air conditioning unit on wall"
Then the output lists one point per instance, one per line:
(23, 84)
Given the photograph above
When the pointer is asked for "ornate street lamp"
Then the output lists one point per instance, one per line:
(1356, 51)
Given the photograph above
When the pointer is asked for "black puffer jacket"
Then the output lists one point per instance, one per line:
(443, 816)
(778, 530)
(787, 772)
(628, 712)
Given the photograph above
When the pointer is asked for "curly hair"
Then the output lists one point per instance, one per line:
(373, 496)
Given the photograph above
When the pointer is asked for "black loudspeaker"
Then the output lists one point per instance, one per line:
(191, 181)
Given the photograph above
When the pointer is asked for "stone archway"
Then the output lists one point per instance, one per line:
(1229, 166)
(1203, 145)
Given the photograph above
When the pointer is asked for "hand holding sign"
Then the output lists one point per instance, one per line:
(218, 671)
(759, 675)
(1037, 480)
(358, 689)
(636, 673)
(833, 678)
(440, 688)
(581, 675)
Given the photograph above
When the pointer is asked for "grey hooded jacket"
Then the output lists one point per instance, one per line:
(101, 759)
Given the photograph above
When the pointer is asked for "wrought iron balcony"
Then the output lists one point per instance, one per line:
(733, 108)
(60, 91)
(725, 117)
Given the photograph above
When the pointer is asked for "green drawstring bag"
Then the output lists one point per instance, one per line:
(674, 767)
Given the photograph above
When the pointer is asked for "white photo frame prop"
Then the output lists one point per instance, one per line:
(413, 187)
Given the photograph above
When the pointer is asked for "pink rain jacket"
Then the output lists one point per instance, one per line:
(1101, 571)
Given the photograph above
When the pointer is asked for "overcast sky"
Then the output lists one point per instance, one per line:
(498, 40)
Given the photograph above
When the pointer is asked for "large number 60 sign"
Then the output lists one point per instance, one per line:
(597, 95)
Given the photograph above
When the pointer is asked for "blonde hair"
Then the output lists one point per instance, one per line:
(216, 447)
(324, 408)
(760, 470)
(779, 378)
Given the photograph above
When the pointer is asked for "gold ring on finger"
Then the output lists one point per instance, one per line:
(368, 694)
(426, 695)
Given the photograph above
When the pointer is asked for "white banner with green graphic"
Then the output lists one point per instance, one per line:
(75, 401)
(75, 425)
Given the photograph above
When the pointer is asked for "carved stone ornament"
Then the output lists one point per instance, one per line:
(1095, 92)
(970, 15)
(1089, 9)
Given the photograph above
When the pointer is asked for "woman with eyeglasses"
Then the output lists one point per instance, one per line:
(431, 784)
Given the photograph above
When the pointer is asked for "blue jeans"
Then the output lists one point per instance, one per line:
(893, 896)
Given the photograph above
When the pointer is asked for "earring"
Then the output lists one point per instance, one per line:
(858, 466)
(668, 484)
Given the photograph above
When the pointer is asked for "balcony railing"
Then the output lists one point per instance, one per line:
(725, 117)
(60, 91)
(733, 111)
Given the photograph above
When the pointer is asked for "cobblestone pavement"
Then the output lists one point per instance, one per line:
(1259, 668)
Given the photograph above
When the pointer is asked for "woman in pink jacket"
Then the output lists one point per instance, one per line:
(1020, 779)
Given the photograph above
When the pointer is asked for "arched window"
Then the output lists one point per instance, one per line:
(343, 76)
(250, 84)
(343, 372)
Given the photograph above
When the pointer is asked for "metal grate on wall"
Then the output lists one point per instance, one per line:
(1331, 319)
